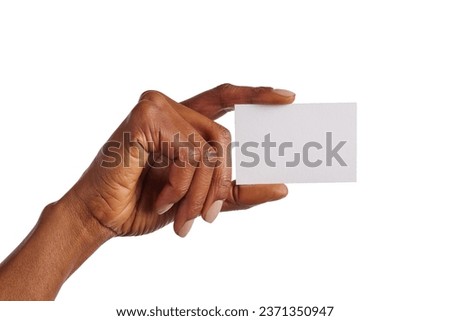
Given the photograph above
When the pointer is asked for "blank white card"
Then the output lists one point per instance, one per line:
(299, 143)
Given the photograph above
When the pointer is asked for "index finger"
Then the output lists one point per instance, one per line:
(222, 99)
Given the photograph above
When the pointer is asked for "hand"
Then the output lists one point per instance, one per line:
(135, 195)
(141, 180)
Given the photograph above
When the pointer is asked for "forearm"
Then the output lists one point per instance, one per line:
(63, 238)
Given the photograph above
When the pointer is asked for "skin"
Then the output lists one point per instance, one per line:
(137, 197)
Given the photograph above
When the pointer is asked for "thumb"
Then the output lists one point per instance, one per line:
(246, 196)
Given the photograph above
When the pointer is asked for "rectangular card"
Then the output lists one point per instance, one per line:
(298, 143)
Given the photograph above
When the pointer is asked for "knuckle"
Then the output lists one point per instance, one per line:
(196, 205)
(223, 91)
(179, 190)
(224, 86)
(146, 109)
(211, 153)
(261, 89)
(222, 187)
(195, 154)
(190, 156)
(152, 95)
(223, 134)
(140, 123)
(142, 111)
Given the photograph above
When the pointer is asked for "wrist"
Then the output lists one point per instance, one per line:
(79, 232)
(64, 237)
(78, 217)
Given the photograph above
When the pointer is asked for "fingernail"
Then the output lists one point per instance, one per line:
(284, 92)
(186, 228)
(164, 209)
(213, 211)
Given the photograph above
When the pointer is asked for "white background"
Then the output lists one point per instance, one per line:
(376, 249)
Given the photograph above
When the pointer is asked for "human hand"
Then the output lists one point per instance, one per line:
(147, 188)
(166, 162)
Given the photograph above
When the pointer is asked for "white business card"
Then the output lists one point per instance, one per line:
(298, 143)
